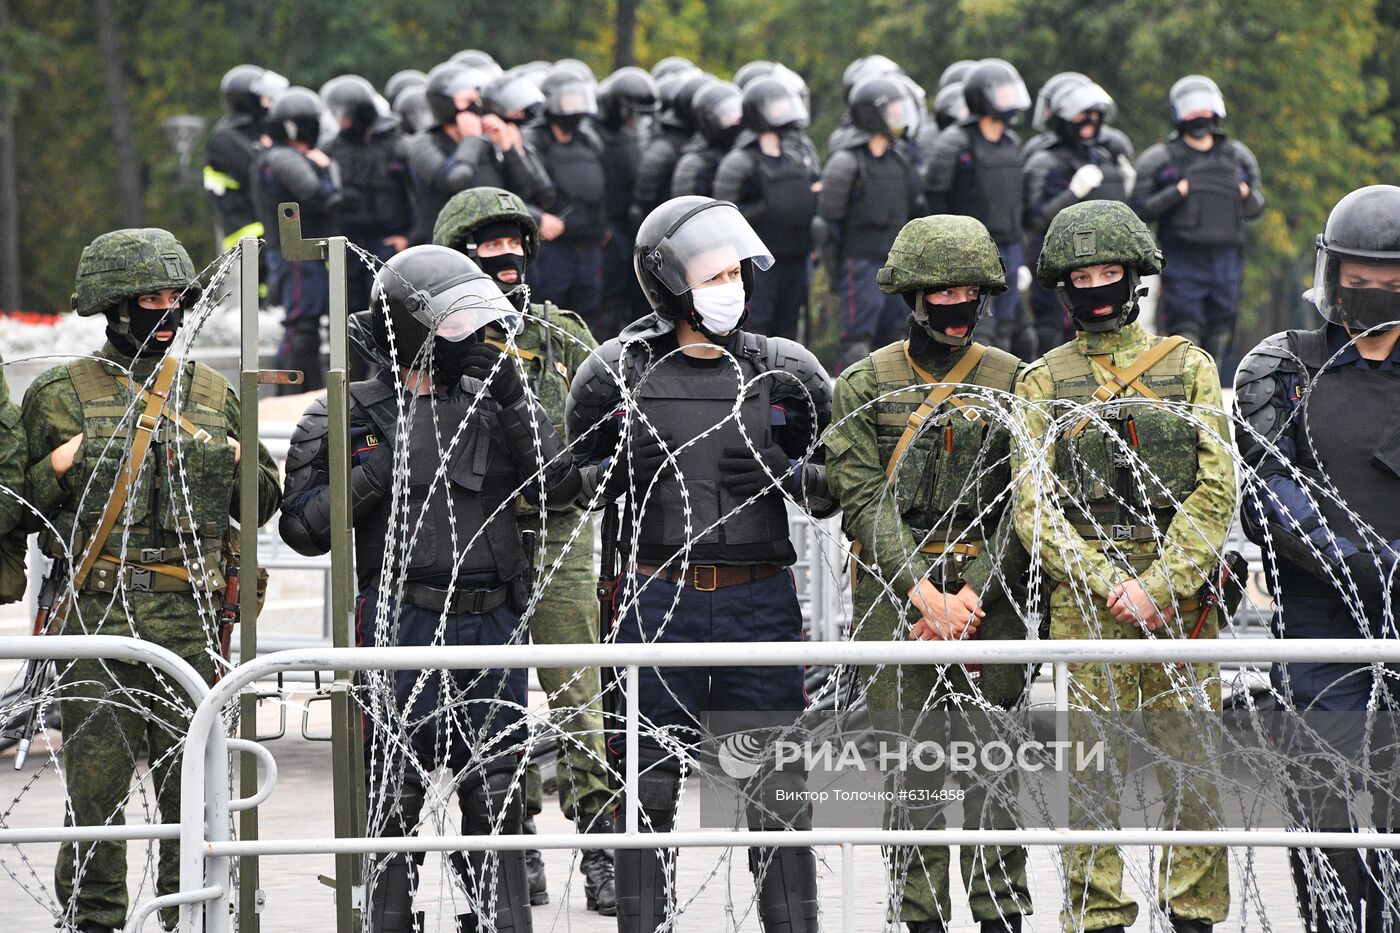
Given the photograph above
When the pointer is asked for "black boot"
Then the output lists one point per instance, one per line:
(599, 887)
(1190, 925)
(391, 897)
(644, 898)
(496, 805)
(787, 889)
(926, 926)
(534, 869)
(1011, 923)
(1315, 891)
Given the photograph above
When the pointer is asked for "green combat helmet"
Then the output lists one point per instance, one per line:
(937, 252)
(1093, 233)
(126, 264)
(470, 210)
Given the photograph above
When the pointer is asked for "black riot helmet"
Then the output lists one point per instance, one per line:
(401, 81)
(871, 66)
(412, 107)
(771, 104)
(883, 105)
(567, 95)
(672, 64)
(1362, 231)
(718, 108)
(795, 81)
(752, 71)
(352, 98)
(433, 293)
(955, 73)
(483, 62)
(995, 89)
(689, 240)
(576, 67)
(1041, 113)
(295, 117)
(949, 106)
(513, 97)
(1072, 99)
(691, 85)
(1193, 94)
(626, 93)
(445, 82)
(269, 85)
(237, 90)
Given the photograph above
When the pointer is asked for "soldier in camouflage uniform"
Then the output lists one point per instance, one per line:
(13, 513)
(159, 574)
(1116, 417)
(495, 228)
(904, 456)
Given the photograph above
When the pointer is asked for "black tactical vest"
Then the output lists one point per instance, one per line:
(785, 185)
(455, 496)
(577, 170)
(686, 401)
(880, 204)
(374, 198)
(993, 192)
(1213, 212)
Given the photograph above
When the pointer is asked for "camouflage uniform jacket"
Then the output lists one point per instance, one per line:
(1173, 568)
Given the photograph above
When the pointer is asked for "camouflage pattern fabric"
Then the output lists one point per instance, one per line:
(1094, 233)
(129, 263)
(14, 517)
(868, 418)
(1172, 565)
(942, 251)
(476, 207)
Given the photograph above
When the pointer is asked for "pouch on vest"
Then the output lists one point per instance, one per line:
(1084, 463)
(1165, 456)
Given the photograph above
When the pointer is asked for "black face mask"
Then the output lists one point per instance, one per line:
(142, 323)
(1198, 128)
(1364, 308)
(1083, 301)
(450, 360)
(495, 265)
(569, 123)
(1094, 121)
(938, 318)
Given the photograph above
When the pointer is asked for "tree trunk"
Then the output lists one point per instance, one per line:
(128, 165)
(10, 283)
(625, 28)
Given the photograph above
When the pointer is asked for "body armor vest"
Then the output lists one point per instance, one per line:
(685, 401)
(993, 193)
(880, 204)
(785, 185)
(479, 476)
(1213, 212)
(577, 170)
(375, 201)
(1151, 453)
(960, 460)
(179, 504)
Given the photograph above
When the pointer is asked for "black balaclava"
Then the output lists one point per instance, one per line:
(932, 319)
(139, 328)
(1198, 127)
(1369, 304)
(568, 123)
(495, 265)
(450, 359)
(1083, 301)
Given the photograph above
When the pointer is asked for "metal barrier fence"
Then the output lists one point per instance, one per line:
(207, 848)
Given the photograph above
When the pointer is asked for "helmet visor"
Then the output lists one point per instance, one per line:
(950, 103)
(1010, 94)
(1072, 101)
(460, 306)
(1197, 100)
(510, 96)
(785, 110)
(704, 243)
(727, 110)
(900, 114)
(270, 84)
(1359, 294)
(573, 99)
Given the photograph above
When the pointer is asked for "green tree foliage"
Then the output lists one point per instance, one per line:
(1308, 85)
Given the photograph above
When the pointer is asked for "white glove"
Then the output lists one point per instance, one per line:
(1129, 173)
(1085, 180)
(1023, 279)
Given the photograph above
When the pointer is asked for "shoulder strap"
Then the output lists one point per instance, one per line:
(146, 425)
(91, 381)
(942, 390)
(1121, 379)
(207, 387)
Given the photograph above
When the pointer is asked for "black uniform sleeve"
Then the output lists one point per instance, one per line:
(1254, 202)
(1151, 198)
(306, 514)
(686, 178)
(1046, 191)
(313, 187)
(735, 180)
(654, 175)
(594, 395)
(838, 180)
(942, 167)
(803, 389)
(537, 448)
(231, 153)
(526, 175)
(438, 171)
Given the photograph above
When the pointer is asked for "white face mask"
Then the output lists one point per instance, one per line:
(720, 306)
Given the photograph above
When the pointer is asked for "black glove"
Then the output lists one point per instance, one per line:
(743, 473)
(644, 459)
(377, 462)
(505, 387)
(1366, 577)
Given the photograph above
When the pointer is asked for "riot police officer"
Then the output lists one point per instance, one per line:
(626, 100)
(974, 168)
(708, 521)
(1318, 432)
(718, 108)
(469, 443)
(376, 207)
(771, 176)
(569, 268)
(132, 461)
(229, 152)
(496, 229)
(869, 190)
(673, 129)
(1201, 187)
(946, 540)
(293, 169)
(1125, 492)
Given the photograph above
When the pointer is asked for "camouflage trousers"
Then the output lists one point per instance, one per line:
(109, 709)
(994, 876)
(1192, 881)
(567, 613)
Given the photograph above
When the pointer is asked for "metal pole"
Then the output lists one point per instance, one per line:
(250, 896)
(1062, 735)
(848, 887)
(634, 694)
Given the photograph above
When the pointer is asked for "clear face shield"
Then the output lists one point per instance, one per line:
(1197, 99)
(1010, 95)
(704, 243)
(573, 99)
(901, 115)
(1358, 294)
(787, 110)
(459, 307)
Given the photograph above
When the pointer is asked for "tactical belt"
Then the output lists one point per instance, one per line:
(109, 575)
(463, 602)
(164, 555)
(968, 551)
(1106, 532)
(707, 578)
